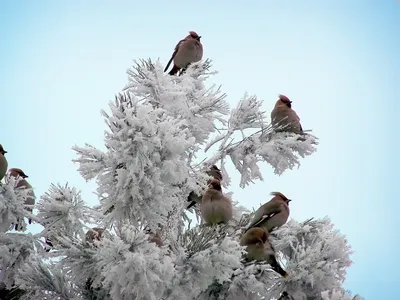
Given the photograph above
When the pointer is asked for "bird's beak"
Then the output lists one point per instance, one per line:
(288, 200)
(5, 152)
(290, 102)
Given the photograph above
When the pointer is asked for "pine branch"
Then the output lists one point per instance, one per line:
(157, 127)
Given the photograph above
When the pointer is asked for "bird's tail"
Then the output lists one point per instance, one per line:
(50, 244)
(191, 205)
(193, 199)
(109, 210)
(174, 70)
(277, 268)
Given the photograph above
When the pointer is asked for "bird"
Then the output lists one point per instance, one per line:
(260, 249)
(215, 207)
(94, 233)
(213, 172)
(155, 238)
(272, 214)
(285, 117)
(3, 162)
(187, 51)
(23, 184)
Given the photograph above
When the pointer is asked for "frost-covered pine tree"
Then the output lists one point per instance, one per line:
(164, 132)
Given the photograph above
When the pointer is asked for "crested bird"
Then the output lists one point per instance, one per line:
(272, 214)
(3, 162)
(260, 249)
(284, 118)
(213, 172)
(187, 51)
(215, 207)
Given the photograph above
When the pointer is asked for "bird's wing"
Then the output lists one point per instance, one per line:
(266, 211)
(173, 55)
(271, 207)
(298, 119)
(296, 115)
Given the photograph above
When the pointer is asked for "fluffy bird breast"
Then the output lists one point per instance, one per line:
(215, 207)
(189, 51)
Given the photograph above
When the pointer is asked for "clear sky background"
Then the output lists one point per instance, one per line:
(63, 61)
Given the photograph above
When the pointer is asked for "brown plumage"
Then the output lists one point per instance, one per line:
(93, 234)
(155, 238)
(283, 115)
(260, 249)
(3, 162)
(187, 51)
(215, 207)
(272, 214)
(23, 184)
(193, 198)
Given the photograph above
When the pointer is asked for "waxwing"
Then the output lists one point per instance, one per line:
(272, 214)
(260, 249)
(187, 51)
(213, 172)
(215, 207)
(285, 117)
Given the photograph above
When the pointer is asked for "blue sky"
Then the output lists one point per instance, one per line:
(63, 61)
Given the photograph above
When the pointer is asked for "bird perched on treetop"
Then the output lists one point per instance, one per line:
(187, 51)
(285, 117)
(215, 207)
(193, 198)
(260, 249)
(272, 214)
(3, 162)
(23, 184)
